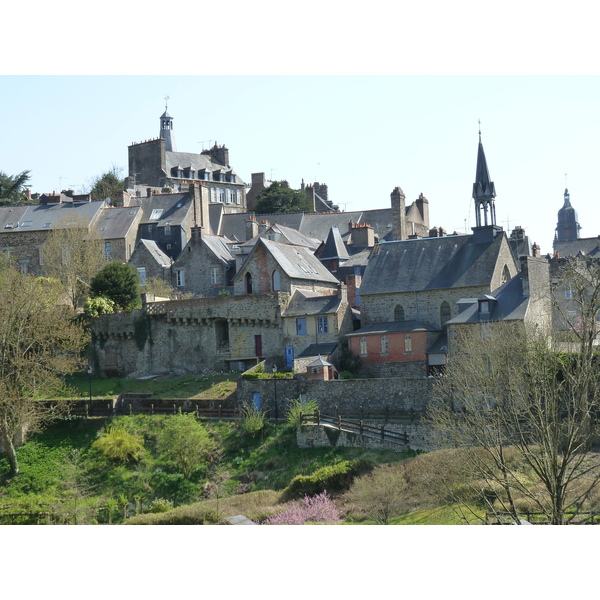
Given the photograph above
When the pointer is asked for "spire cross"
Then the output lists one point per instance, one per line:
(166, 101)
(479, 122)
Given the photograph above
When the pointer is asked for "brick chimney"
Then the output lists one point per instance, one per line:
(363, 235)
(398, 200)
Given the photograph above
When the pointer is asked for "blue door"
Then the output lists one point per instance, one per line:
(289, 356)
(256, 400)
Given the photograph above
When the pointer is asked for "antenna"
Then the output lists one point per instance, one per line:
(205, 142)
(60, 184)
(346, 204)
(271, 176)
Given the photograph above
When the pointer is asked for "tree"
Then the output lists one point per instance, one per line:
(523, 403)
(379, 494)
(120, 445)
(280, 198)
(186, 442)
(73, 254)
(12, 186)
(108, 185)
(119, 282)
(39, 344)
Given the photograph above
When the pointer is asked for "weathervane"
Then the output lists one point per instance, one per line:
(166, 102)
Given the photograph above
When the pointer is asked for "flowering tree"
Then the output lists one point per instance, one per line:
(313, 509)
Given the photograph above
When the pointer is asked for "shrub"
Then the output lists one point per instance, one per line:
(315, 509)
(120, 445)
(253, 420)
(160, 505)
(98, 305)
(336, 478)
(296, 408)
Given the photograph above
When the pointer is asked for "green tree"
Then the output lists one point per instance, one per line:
(107, 185)
(39, 344)
(280, 198)
(12, 186)
(186, 442)
(119, 282)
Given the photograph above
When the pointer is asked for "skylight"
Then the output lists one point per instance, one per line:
(156, 213)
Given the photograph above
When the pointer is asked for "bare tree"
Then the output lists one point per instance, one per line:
(523, 403)
(39, 344)
(73, 253)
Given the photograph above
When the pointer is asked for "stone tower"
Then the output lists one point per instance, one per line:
(398, 200)
(567, 227)
(166, 131)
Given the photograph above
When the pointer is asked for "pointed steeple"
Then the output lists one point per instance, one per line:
(166, 129)
(484, 191)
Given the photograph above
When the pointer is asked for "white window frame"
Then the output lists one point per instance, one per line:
(180, 277)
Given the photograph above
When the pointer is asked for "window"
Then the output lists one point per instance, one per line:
(322, 325)
(65, 255)
(248, 280)
(301, 326)
(444, 313)
(276, 280)
(39, 255)
(168, 229)
(407, 344)
(363, 346)
(156, 213)
(180, 277)
(505, 274)
(399, 313)
(569, 294)
(142, 275)
(149, 229)
(26, 223)
(7, 250)
(214, 275)
(107, 250)
(24, 264)
(384, 344)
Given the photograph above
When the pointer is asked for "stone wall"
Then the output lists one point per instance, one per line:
(348, 395)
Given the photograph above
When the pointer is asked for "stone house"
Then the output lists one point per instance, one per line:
(25, 229)
(206, 266)
(273, 267)
(313, 324)
(151, 262)
(157, 163)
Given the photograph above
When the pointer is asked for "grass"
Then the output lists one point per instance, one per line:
(197, 387)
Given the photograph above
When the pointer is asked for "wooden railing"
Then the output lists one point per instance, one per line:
(359, 427)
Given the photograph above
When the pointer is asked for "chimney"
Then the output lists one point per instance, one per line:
(264, 225)
(196, 234)
(251, 228)
(363, 236)
(353, 283)
(199, 196)
(398, 200)
(535, 249)
(258, 185)
(535, 275)
(423, 206)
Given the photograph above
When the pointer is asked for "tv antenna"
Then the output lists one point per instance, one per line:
(205, 142)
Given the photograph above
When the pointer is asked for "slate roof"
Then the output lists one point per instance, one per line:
(334, 246)
(589, 247)
(298, 262)
(307, 302)
(318, 350)
(115, 223)
(320, 362)
(42, 217)
(197, 162)
(218, 245)
(283, 235)
(510, 305)
(429, 264)
(392, 327)
(175, 208)
(155, 252)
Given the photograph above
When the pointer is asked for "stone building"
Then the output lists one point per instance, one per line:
(151, 262)
(206, 266)
(157, 163)
(420, 282)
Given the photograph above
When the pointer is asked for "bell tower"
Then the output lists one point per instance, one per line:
(567, 227)
(166, 129)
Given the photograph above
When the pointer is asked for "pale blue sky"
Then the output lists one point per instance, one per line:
(362, 135)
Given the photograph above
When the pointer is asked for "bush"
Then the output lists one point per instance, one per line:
(120, 445)
(296, 408)
(253, 420)
(335, 478)
(346, 375)
(160, 505)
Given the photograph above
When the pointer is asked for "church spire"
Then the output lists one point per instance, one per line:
(484, 191)
(166, 129)
(567, 226)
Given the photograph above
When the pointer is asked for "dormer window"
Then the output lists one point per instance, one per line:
(9, 226)
(484, 306)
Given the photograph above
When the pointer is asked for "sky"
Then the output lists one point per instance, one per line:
(362, 135)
